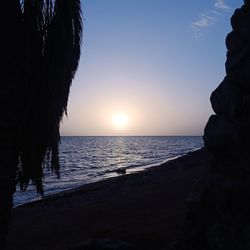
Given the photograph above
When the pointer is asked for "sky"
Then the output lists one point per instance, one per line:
(148, 67)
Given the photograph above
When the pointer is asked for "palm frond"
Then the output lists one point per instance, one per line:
(53, 31)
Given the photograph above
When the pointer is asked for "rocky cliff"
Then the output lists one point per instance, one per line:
(219, 209)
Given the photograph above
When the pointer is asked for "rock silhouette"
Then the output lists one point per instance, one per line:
(218, 216)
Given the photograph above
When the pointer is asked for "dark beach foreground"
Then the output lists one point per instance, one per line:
(145, 210)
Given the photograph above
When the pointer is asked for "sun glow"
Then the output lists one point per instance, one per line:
(120, 119)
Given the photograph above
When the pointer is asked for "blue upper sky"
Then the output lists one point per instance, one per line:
(157, 61)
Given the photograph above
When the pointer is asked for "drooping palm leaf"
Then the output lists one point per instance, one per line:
(53, 31)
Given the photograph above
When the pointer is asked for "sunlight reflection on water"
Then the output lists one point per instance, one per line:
(89, 159)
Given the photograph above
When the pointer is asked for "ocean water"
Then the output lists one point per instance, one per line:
(90, 159)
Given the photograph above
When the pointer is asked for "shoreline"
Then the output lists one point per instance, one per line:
(129, 171)
(145, 209)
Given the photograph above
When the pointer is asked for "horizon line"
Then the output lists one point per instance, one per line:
(131, 135)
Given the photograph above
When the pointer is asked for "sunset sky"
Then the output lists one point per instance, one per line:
(148, 66)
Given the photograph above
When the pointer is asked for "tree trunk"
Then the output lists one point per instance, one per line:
(11, 85)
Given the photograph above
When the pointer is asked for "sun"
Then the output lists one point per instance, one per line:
(120, 119)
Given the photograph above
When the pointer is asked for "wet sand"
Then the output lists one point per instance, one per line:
(145, 209)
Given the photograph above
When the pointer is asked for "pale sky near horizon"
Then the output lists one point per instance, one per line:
(157, 61)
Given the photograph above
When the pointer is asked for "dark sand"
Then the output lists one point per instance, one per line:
(146, 209)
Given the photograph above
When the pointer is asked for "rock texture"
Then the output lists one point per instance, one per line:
(219, 212)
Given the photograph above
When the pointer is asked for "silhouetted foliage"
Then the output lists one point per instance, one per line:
(53, 32)
(39, 54)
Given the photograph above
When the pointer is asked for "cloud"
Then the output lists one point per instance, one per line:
(220, 4)
(206, 20)
(210, 17)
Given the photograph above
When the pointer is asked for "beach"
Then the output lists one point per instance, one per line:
(145, 210)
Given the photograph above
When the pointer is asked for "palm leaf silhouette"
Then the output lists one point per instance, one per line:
(39, 55)
(53, 31)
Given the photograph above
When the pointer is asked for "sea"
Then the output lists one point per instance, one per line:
(88, 159)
